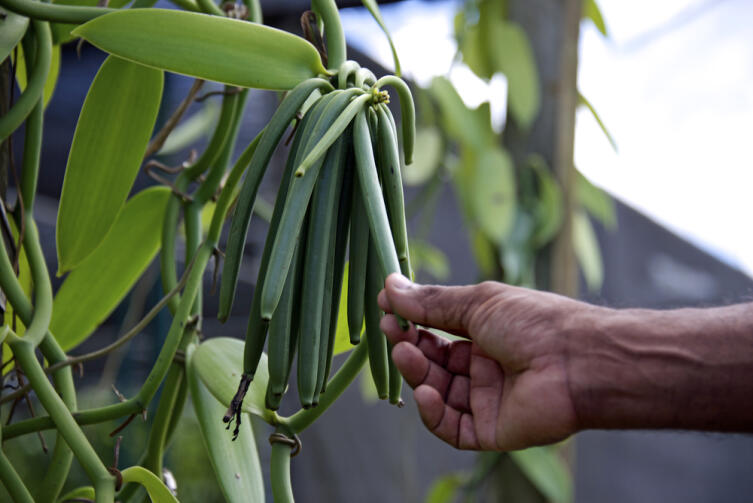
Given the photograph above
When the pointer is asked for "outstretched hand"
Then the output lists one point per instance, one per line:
(506, 386)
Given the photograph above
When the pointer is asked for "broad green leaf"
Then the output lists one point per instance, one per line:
(78, 494)
(547, 471)
(342, 334)
(219, 364)
(373, 8)
(595, 201)
(517, 251)
(61, 32)
(208, 47)
(235, 463)
(112, 133)
(429, 143)
(52, 77)
(483, 251)
(549, 205)
(494, 198)
(468, 127)
(513, 56)
(587, 251)
(591, 11)
(584, 102)
(12, 29)
(90, 293)
(445, 488)
(192, 129)
(426, 257)
(157, 490)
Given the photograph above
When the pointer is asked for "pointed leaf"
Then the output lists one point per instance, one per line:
(235, 463)
(12, 29)
(549, 205)
(192, 129)
(61, 32)
(591, 11)
(584, 102)
(424, 256)
(208, 47)
(219, 364)
(373, 8)
(52, 76)
(445, 488)
(80, 493)
(90, 293)
(429, 143)
(468, 127)
(158, 492)
(547, 471)
(595, 201)
(112, 134)
(494, 198)
(587, 251)
(513, 56)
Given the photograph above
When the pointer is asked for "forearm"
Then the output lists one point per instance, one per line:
(680, 369)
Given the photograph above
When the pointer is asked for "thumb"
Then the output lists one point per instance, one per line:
(448, 308)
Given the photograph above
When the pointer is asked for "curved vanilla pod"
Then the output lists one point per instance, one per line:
(407, 112)
(296, 202)
(375, 340)
(244, 207)
(256, 330)
(311, 353)
(392, 186)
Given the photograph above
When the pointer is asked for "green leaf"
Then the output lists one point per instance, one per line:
(52, 77)
(471, 128)
(342, 334)
(219, 364)
(373, 8)
(80, 493)
(429, 143)
(90, 293)
(424, 256)
(158, 492)
(113, 131)
(587, 251)
(547, 471)
(494, 198)
(591, 11)
(445, 488)
(235, 463)
(12, 29)
(549, 204)
(192, 129)
(595, 201)
(584, 102)
(513, 56)
(208, 47)
(517, 252)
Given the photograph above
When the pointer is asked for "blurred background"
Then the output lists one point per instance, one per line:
(652, 103)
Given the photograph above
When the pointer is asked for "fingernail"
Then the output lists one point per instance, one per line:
(401, 282)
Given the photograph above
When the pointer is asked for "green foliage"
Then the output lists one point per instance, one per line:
(429, 142)
(157, 491)
(52, 77)
(12, 29)
(207, 47)
(373, 8)
(591, 11)
(219, 364)
(90, 293)
(235, 462)
(111, 136)
(587, 251)
(493, 188)
(546, 469)
(445, 488)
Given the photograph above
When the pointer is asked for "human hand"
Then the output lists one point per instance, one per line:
(506, 387)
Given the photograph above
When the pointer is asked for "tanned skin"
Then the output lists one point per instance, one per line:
(533, 367)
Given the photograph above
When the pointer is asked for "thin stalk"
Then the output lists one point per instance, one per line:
(155, 450)
(341, 380)
(12, 482)
(41, 11)
(104, 483)
(189, 5)
(168, 268)
(159, 139)
(209, 7)
(333, 31)
(192, 225)
(42, 40)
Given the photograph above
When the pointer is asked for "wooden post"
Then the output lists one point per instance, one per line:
(552, 27)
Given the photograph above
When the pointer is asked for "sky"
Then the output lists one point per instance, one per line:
(673, 83)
